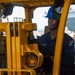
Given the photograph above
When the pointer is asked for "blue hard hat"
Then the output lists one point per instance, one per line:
(49, 14)
(54, 13)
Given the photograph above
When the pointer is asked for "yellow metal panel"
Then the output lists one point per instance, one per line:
(28, 14)
(7, 1)
(60, 36)
(3, 26)
(34, 48)
(18, 51)
(0, 7)
(30, 3)
(0, 73)
(13, 71)
(13, 49)
(8, 45)
(26, 1)
(23, 34)
(29, 26)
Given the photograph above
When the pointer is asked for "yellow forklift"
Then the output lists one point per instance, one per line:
(18, 55)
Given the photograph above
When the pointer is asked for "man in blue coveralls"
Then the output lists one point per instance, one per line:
(49, 40)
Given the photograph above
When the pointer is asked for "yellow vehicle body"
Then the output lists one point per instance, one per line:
(17, 47)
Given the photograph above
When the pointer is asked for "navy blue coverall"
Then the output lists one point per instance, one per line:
(67, 58)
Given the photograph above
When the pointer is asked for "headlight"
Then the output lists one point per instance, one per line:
(31, 60)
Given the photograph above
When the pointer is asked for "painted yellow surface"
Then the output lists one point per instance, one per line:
(17, 47)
